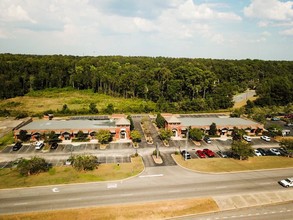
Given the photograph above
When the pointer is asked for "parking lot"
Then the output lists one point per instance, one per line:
(65, 148)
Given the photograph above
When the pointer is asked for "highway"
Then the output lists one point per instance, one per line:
(153, 184)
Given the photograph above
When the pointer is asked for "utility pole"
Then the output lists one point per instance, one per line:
(186, 146)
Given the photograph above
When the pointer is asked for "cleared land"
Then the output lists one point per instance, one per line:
(53, 99)
(152, 210)
(217, 165)
(10, 178)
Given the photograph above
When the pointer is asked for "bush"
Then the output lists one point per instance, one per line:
(84, 162)
(33, 166)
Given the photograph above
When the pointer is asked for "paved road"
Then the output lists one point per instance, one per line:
(154, 184)
(282, 211)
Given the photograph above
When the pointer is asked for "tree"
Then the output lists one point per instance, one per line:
(23, 135)
(213, 129)
(33, 166)
(160, 121)
(81, 136)
(135, 136)
(109, 109)
(195, 134)
(104, 136)
(242, 149)
(165, 134)
(93, 108)
(237, 134)
(287, 143)
(84, 162)
(131, 122)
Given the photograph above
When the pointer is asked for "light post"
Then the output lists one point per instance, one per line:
(186, 146)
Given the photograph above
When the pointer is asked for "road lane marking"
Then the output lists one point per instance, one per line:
(154, 175)
(174, 191)
(221, 187)
(111, 185)
(22, 203)
(55, 190)
(129, 194)
(74, 199)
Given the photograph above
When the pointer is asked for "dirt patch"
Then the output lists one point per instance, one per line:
(151, 210)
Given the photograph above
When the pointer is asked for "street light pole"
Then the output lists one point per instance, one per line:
(186, 145)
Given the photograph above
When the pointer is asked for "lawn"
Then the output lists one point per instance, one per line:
(52, 99)
(10, 178)
(151, 210)
(217, 165)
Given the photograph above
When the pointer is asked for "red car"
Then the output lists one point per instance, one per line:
(209, 152)
(200, 154)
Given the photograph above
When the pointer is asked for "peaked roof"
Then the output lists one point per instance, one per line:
(122, 121)
(172, 119)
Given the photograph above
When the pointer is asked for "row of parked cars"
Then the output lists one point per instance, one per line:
(271, 151)
(200, 153)
(38, 145)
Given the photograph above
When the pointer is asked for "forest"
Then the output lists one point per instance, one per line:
(183, 84)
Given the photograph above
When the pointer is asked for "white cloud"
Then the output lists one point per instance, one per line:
(270, 10)
(288, 32)
(14, 13)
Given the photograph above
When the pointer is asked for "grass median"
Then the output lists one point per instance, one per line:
(149, 210)
(218, 165)
(10, 178)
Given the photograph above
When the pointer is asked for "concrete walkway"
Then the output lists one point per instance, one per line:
(254, 199)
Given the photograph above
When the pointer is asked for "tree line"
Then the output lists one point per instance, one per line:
(180, 84)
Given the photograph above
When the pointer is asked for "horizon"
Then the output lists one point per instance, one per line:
(192, 29)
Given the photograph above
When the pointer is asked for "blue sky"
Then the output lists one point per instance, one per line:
(224, 29)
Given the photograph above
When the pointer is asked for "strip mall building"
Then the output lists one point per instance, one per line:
(179, 124)
(118, 126)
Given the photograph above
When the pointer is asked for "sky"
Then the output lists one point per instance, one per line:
(218, 29)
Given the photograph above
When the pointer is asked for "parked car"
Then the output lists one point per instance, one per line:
(209, 152)
(257, 153)
(68, 162)
(275, 151)
(39, 145)
(54, 145)
(185, 154)
(286, 182)
(207, 140)
(289, 124)
(265, 138)
(17, 146)
(275, 119)
(222, 154)
(200, 154)
(262, 151)
(283, 151)
(247, 138)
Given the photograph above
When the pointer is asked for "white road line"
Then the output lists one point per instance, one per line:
(74, 199)
(174, 191)
(154, 175)
(221, 187)
(111, 185)
(22, 203)
(129, 194)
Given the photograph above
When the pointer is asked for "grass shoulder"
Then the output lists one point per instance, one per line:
(219, 165)
(10, 178)
(149, 210)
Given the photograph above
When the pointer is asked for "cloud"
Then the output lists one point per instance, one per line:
(270, 10)
(288, 32)
(14, 12)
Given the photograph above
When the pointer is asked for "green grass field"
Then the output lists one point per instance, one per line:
(218, 165)
(52, 99)
(10, 178)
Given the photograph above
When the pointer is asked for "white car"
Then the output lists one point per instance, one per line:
(275, 151)
(286, 182)
(257, 153)
(247, 138)
(39, 145)
(265, 138)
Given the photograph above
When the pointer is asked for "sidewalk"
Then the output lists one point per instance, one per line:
(253, 199)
